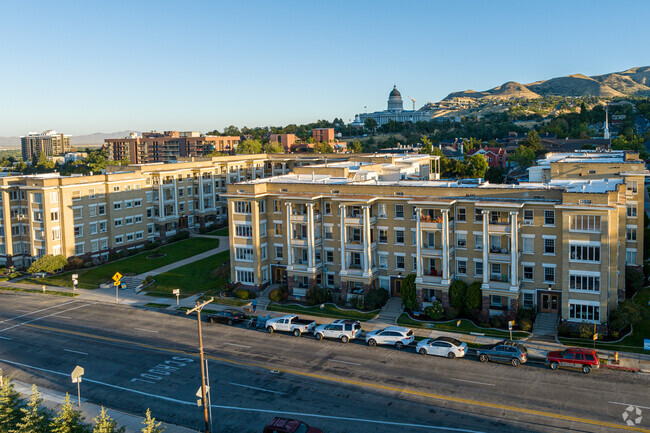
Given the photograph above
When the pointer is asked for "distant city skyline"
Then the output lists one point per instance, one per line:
(81, 68)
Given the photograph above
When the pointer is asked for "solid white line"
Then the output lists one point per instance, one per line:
(63, 317)
(43, 317)
(38, 311)
(471, 381)
(344, 362)
(5, 338)
(256, 388)
(629, 404)
(146, 330)
(74, 351)
(238, 345)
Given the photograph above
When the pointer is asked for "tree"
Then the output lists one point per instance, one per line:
(495, 175)
(407, 291)
(150, 424)
(356, 147)
(10, 404)
(42, 159)
(232, 131)
(105, 424)
(97, 160)
(436, 311)
(477, 165)
(48, 263)
(69, 419)
(626, 313)
(34, 418)
(323, 148)
(370, 124)
(523, 156)
(457, 294)
(216, 153)
(473, 297)
(273, 147)
(532, 141)
(427, 147)
(249, 147)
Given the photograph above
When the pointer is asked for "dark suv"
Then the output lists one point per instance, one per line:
(505, 351)
(229, 316)
(574, 357)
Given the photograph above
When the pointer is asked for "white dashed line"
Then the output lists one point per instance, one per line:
(5, 338)
(237, 345)
(628, 404)
(74, 351)
(146, 330)
(344, 362)
(471, 381)
(256, 388)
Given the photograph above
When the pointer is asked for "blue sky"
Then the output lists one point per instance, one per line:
(89, 66)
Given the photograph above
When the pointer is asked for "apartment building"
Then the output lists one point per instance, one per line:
(167, 146)
(49, 142)
(561, 245)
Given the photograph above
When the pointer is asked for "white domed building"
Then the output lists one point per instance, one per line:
(394, 112)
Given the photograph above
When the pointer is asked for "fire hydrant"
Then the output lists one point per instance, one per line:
(615, 357)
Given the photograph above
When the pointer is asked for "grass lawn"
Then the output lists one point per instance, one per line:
(466, 327)
(192, 278)
(219, 232)
(632, 343)
(328, 311)
(91, 278)
(47, 292)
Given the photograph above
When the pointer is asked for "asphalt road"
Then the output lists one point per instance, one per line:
(136, 359)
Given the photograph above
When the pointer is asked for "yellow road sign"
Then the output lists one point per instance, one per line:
(117, 283)
(117, 276)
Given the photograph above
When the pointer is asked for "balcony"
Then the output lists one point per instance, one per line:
(434, 225)
(501, 227)
(431, 252)
(358, 221)
(302, 218)
(354, 246)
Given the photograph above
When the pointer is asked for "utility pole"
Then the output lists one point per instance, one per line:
(198, 309)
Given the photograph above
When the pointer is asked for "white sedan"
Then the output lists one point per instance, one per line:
(442, 346)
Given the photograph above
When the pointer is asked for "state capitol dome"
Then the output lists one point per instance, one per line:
(395, 102)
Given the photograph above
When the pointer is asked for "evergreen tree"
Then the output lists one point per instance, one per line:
(106, 424)
(150, 424)
(10, 404)
(69, 419)
(34, 418)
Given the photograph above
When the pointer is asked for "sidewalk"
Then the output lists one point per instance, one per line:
(133, 423)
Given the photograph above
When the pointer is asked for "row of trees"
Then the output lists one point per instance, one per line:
(30, 416)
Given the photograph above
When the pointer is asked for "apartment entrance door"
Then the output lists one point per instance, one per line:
(550, 303)
(395, 286)
(279, 275)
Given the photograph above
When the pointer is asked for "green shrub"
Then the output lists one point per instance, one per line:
(14, 275)
(457, 292)
(473, 297)
(77, 262)
(179, 236)
(564, 330)
(451, 313)
(242, 294)
(525, 324)
(633, 281)
(407, 291)
(376, 298)
(436, 311)
(586, 331)
(275, 295)
(318, 295)
(495, 321)
(526, 313)
(625, 314)
(359, 303)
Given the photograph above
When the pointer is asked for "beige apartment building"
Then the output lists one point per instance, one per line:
(560, 245)
(49, 142)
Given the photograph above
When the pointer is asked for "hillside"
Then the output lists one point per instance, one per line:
(633, 82)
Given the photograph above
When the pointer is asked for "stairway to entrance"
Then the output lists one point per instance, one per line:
(545, 327)
(390, 312)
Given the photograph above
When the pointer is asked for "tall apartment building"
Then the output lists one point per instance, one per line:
(93, 216)
(561, 245)
(49, 142)
(323, 135)
(167, 146)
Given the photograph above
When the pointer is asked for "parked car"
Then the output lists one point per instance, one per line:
(392, 335)
(344, 330)
(290, 323)
(442, 346)
(574, 357)
(285, 425)
(229, 316)
(505, 351)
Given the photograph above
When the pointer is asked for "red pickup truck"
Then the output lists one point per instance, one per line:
(285, 425)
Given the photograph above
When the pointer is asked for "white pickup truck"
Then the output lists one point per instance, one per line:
(290, 323)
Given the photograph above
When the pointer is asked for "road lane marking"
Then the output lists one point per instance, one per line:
(471, 381)
(344, 362)
(146, 330)
(256, 388)
(338, 380)
(238, 345)
(63, 317)
(629, 404)
(5, 338)
(37, 311)
(43, 317)
(22, 311)
(74, 351)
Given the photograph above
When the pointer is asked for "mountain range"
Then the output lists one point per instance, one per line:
(633, 82)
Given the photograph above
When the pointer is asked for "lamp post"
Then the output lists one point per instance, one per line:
(198, 309)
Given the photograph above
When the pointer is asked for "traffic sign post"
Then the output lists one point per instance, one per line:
(75, 281)
(76, 378)
(177, 292)
(510, 325)
(116, 282)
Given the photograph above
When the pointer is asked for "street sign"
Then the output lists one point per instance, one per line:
(511, 323)
(76, 374)
(117, 276)
(75, 276)
(117, 283)
(176, 291)
(595, 336)
(646, 344)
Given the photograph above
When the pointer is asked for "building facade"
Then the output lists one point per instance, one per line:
(394, 112)
(494, 156)
(49, 142)
(560, 246)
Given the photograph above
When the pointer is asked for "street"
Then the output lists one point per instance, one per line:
(136, 359)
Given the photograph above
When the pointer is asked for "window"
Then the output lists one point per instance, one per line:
(329, 232)
(244, 254)
(264, 255)
(139, 235)
(549, 217)
(399, 262)
(399, 236)
(56, 233)
(529, 217)
(383, 261)
(92, 211)
(119, 239)
(478, 269)
(496, 301)
(78, 249)
(279, 252)
(383, 236)
(243, 231)
(129, 237)
(263, 229)
(128, 221)
(77, 213)
(242, 207)
(478, 242)
(527, 245)
(461, 267)
(328, 208)
(262, 205)
(38, 216)
(461, 214)
(103, 227)
(399, 211)
(632, 186)
(630, 256)
(589, 283)
(76, 195)
(584, 253)
(528, 273)
(128, 204)
(582, 312)
(117, 205)
(631, 234)
(330, 280)
(245, 276)
(415, 264)
(278, 229)
(528, 300)
(116, 189)
(93, 228)
(549, 274)
(94, 245)
(478, 215)
(118, 222)
(631, 210)
(276, 206)
(549, 246)
(329, 256)
(461, 240)
(54, 197)
(138, 218)
(54, 215)
(584, 223)
(381, 210)
(78, 231)
(101, 209)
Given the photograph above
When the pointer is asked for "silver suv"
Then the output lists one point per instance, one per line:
(344, 330)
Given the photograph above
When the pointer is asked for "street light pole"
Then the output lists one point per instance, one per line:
(198, 309)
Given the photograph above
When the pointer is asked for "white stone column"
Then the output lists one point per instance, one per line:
(418, 243)
(161, 197)
(288, 229)
(445, 246)
(214, 193)
(201, 207)
(366, 240)
(342, 234)
(175, 197)
(486, 237)
(514, 265)
(311, 241)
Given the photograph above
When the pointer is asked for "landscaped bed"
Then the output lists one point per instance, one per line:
(466, 327)
(329, 310)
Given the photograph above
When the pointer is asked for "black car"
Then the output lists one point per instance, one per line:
(229, 316)
(505, 351)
